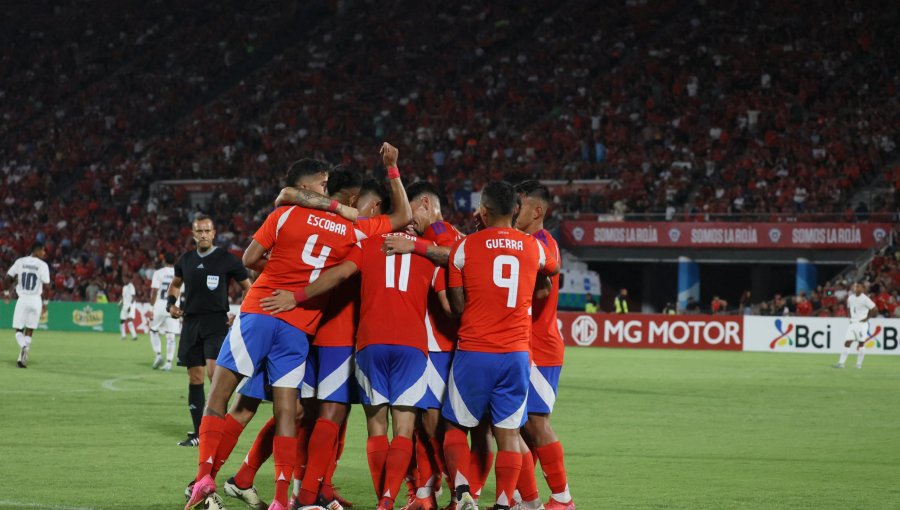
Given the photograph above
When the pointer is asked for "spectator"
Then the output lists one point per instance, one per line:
(590, 306)
(621, 301)
(718, 305)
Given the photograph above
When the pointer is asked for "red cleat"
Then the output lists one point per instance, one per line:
(556, 505)
(202, 489)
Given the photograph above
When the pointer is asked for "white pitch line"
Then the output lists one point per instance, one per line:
(110, 384)
(38, 506)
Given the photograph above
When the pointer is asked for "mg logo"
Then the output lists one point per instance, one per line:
(584, 330)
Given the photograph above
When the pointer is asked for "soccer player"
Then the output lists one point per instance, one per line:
(493, 274)
(861, 309)
(160, 320)
(330, 370)
(301, 243)
(547, 350)
(32, 276)
(126, 315)
(391, 352)
(205, 273)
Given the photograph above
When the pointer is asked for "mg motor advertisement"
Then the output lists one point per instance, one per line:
(801, 334)
(718, 332)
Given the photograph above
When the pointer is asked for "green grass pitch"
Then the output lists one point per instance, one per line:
(90, 426)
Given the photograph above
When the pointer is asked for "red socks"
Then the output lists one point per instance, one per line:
(424, 463)
(527, 484)
(259, 452)
(303, 432)
(210, 436)
(456, 455)
(321, 451)
(230, 434)
(551, 458)
(396, 465)
(509, 466)
(377, 451)
(479, 470)
(284, 450)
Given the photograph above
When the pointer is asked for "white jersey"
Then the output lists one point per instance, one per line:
(128, 293)
(161, 279)
(859, 307)
(31, 273)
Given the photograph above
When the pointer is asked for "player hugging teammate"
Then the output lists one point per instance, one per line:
(439, 336)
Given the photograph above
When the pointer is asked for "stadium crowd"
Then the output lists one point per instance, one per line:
(685, 111)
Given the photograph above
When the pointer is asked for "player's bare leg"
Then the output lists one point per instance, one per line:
(860, 354)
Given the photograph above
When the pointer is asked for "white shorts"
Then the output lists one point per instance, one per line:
(127, 313)
(163, 322)
(27, 314)
(858, 331)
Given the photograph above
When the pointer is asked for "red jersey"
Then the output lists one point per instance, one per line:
(301, 244)
(497, 267)
(547, 348)
(338, 326)
(442, 330)
(394, 296)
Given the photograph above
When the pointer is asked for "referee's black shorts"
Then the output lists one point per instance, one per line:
(201, 339)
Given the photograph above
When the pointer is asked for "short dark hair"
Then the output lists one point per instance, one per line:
(419, 188)
(203, 217)
(534, 189)
(341, 178)
(37, 245)
(377, 187)
(499, 198)
(303, 168)
(169, 258)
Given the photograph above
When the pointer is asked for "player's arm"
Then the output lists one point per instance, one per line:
(542, 287)
(172, 297)
(255, 257)
(402, 213)
(445, 303)
(457, 298)
(154, 292)
(440, 255)
(285, 300)
(313, 200)
(10, 282)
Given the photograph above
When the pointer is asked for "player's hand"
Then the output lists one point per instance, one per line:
(279, 301)
(389, 155)
(231, 317)
(176, 312)
(479, 222)
(397, 245)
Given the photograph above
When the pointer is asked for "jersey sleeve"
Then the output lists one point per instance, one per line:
(179, 273)
(440, 280)
(237, 271)
(267, 232)
(869, 303)
(14, 270)
(45, 274)
(548, 265)
(355, 256)
(378, 225)
(457, 262)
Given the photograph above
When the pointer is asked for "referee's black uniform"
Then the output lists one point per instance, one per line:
(205, 324)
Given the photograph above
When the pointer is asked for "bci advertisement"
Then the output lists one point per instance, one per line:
(721, 332)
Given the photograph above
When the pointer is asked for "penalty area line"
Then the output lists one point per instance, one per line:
(110, 384)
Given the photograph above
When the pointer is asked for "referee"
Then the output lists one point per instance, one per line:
(205, 273)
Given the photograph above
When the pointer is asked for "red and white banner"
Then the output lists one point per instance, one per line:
(714, 332)
(829, 236)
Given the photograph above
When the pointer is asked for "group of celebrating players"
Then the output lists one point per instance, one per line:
(452, 337)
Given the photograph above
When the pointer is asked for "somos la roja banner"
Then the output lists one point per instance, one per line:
(828, 236)
(815, 334)
(715, 332)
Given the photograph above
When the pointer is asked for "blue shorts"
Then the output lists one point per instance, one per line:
(436, 375)
(329, 375)
(257, 386)
(391, 374)
(257, 341)
(486, 381)
(543, 389)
